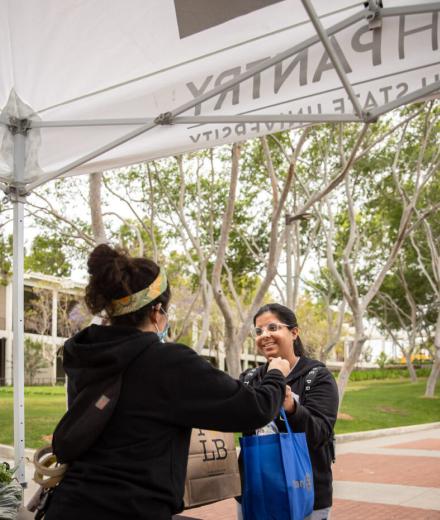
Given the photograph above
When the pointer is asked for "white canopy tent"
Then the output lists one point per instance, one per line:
(88, 86)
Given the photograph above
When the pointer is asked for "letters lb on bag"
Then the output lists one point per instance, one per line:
(278, 478)
(212, 472)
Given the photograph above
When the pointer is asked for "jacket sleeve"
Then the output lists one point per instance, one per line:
(200, 396)
(316, 414)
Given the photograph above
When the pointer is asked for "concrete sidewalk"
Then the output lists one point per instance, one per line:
(389, 476)
(382, 474)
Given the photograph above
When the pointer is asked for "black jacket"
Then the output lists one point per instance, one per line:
(315, 415)
(135, 465)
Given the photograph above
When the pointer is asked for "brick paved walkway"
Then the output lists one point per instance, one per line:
(351, 510)
(388, 469)
(342, 510)
(385, 478)
(401, 482)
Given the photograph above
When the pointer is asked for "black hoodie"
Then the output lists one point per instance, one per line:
(135, 401)
(315, 415)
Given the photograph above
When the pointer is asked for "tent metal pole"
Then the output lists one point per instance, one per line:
(247, 118)
(404, 100)
(149, 126)
(94, 122)
(332, 54)
(18, 307)
(409, 9)
(91, 155)
(291, 118)
(289, 282)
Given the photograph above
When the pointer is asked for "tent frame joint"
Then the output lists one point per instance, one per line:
(369, 117)
(19, 126)
(15, 194)
(164, 119)
(374, 18)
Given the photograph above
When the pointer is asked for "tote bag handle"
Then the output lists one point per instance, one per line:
(283, 415)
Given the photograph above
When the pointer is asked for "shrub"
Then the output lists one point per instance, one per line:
(386, 373)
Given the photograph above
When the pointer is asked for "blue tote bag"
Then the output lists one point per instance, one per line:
(278, 478)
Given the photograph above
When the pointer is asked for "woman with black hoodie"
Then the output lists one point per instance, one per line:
(134, 398)
(311, 401)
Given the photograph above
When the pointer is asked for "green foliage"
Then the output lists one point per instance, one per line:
(382, 360)
(35, 359)
(396, 156)
(47, 256)
(137, 240)
(6, 474)
(5, 258)
(65, 215)
(314, 329)
(11, 492)
(386, 373)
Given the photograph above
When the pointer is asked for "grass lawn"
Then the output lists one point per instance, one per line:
(367, 405)
(44, 406)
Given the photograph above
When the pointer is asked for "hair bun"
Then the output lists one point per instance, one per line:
(103, 257)
(114, 274)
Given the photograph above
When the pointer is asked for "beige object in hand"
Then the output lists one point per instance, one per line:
(212, 472)
(48, 473)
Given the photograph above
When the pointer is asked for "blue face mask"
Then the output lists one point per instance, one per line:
(163, 335)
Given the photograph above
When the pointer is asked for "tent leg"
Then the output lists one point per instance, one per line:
(18, 310)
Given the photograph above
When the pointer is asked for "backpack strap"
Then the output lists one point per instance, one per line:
(310, 377)
(249, 375)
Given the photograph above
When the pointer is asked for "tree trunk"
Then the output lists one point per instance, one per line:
(207, 298)
(435, 371)
(98, 229)
(232, 347)
(410, 367)
(325, 352)
(352, 359)
(334, 333)
(233, 360)
(232, 351)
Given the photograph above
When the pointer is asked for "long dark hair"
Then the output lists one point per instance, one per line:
(288, 317)
(114, 274)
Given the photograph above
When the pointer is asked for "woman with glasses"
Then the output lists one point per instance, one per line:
(133, 399)
(311, 401)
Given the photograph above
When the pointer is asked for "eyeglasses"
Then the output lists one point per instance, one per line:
(270, 327)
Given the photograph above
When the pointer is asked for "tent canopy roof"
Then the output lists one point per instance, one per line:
(94, 85)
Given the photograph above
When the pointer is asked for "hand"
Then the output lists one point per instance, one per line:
(280, 364)
(289, 403)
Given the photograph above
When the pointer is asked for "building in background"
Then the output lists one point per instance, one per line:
(53, 311)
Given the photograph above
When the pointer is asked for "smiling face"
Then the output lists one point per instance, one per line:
(277, 343)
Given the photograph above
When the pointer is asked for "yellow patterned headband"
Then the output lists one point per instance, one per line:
(134, 302)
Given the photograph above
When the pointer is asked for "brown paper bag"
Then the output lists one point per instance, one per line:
(212, 472)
